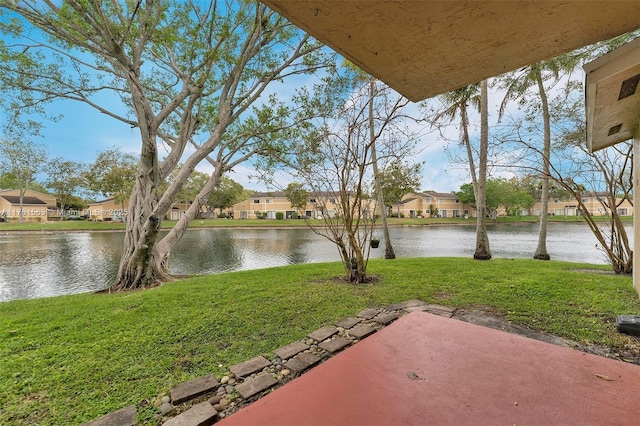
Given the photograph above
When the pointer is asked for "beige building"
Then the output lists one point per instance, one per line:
(36, 206)
(568, 206)
(268, 204)
(107, 210)
(432, 204)
(177, 211)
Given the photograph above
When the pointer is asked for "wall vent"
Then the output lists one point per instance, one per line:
(615, 129)
(629, 87)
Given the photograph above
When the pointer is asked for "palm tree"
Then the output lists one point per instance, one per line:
(457, 103)
(517, 85)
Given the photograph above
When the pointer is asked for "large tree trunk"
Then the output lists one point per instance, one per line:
(164, 247)
(541, 251)
(483, 251)
(138, 268)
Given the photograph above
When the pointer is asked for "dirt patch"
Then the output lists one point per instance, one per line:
(596, 271)
(370, 279)
(442, 295)
(630, 352)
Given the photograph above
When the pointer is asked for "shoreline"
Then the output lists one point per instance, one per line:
(271, 225)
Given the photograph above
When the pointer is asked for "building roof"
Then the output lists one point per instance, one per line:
(102, 201)
(282, 194)
(437, 194)
(276, 194)
(423, 48)
(408, 200)
(15, 199)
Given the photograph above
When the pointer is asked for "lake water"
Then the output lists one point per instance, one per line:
(49, 264)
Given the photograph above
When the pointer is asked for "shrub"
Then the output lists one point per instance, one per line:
(279, 215)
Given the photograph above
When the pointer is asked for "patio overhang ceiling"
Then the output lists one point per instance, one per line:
(613, 96)
(425, 48)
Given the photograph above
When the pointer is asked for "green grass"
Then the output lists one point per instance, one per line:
(70, 359)
(87, 225)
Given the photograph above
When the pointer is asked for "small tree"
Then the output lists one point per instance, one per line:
(499, 193)
(113, 174)
(297, 196)
(22, 160)
(398, 179)
(227, 193)
(335, 170)
(64, 179)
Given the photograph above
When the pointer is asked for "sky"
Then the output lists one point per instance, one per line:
(82, 132)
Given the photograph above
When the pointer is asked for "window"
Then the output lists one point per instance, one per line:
(443, 213)
(267, 201)
(585, 200)
(332, 200)
(256, 201)
(623, 212)
(456, 213)
(312, 200)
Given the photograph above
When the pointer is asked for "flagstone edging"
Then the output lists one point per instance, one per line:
(205, 399)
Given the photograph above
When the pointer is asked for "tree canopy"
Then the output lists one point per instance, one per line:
(196, 81)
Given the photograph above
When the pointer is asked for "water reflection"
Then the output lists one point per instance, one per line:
(39, 265)
(205, 252)
(48, 264)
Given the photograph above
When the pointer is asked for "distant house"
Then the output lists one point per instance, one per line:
(36, 206)
(593, 203)
(107, 210)
(177, 211)
(432, 204)
(268, 204)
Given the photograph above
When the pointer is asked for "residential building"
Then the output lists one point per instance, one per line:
(177, 211)
(268, 204)
(593, 203)
(107, 210)
(432, 204)
(36, 206)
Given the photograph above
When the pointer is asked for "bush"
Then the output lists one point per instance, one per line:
(279, 215)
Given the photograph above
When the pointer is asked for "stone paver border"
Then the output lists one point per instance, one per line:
(248, 380)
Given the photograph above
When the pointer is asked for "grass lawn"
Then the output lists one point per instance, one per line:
(87, 225)
(70, 359)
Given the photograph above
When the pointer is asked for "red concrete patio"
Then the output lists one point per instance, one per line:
(429, 370)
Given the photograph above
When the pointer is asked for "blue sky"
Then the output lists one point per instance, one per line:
(83, 132)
